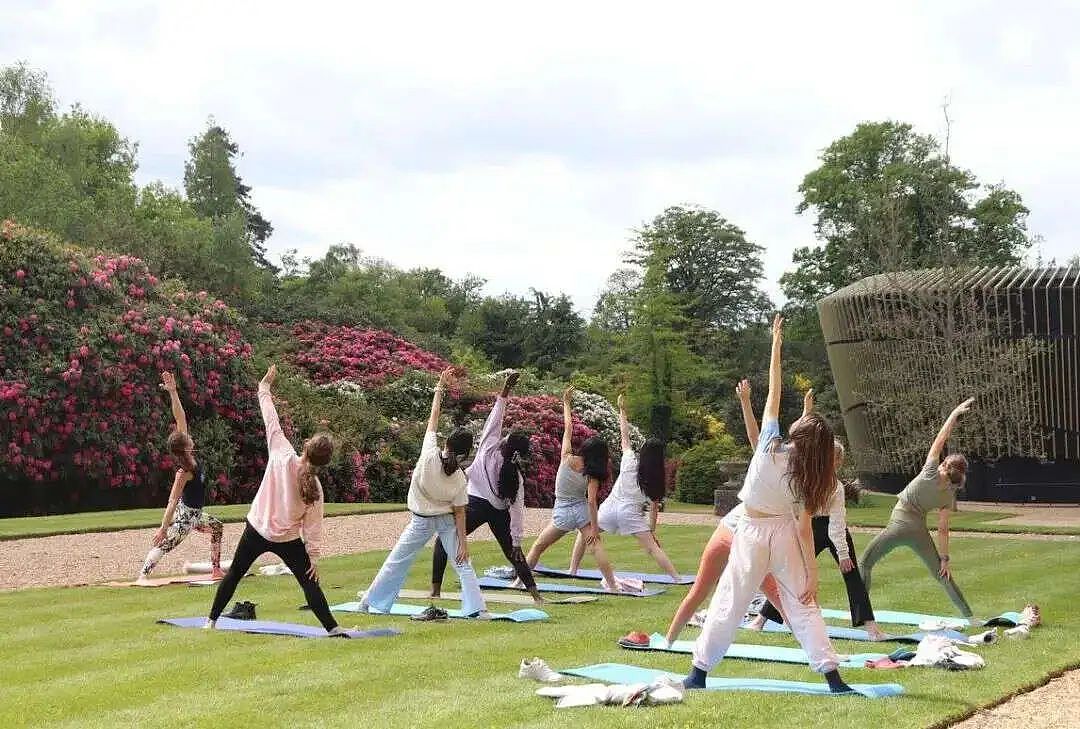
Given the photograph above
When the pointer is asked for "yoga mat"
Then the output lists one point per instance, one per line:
(269, 627)
(622, 673)
(899, 617)
(754, 652)
(494, 584)
(518, 616)
(162, 581)
(834, 631)
(595, 575)
(507, 598)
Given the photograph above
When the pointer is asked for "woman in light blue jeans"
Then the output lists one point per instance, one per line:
(437, 499)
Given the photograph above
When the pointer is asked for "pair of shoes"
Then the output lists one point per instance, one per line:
(987, 637)
(432, 613)
(1031, 616)
(242, 611)
(481, 615)
(538, 670)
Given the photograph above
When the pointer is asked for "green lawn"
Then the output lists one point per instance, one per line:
(874, 509)
(110, 521)
(93, 656)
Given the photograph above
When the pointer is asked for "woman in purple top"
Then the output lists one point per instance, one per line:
(496, 493)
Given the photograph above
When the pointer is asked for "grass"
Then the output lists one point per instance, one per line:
(874, 509)
(93, 657)
(110, 521)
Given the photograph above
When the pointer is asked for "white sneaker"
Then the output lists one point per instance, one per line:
(987, 637)
(482, 615)
(1020, 632)
(538, 670)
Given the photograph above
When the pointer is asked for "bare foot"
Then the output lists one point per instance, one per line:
(757, 623)
(218, 574)
(875, 633)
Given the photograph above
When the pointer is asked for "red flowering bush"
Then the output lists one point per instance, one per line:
(82, 342)
(368, 357)
(541, 417)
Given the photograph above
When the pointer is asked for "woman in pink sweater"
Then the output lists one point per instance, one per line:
(288, 506)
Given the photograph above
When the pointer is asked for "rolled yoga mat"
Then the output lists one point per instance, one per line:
(492, 583)
(595, 575)
(269, 627)
(518, 616)
(754, 652)
(622, 673)
(834, 631)
(507, 598)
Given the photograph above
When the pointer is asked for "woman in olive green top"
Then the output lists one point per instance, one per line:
(933, 489)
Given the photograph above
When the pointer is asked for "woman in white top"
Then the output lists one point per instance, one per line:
(634, 502)
(786, 484)
(437, 499)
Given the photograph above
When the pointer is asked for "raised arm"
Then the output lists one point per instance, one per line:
(492, 433)
(168, 384)
(436, 400)
(946, 430)
(624, 425)
(772, 401)
(275, 437)
(568, 423)
(808, 402)
(742, 391)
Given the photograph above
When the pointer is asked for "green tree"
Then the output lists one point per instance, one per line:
(554, 331)
(495, 328)
(614, 310)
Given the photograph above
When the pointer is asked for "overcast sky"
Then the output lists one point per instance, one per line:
(522, 143)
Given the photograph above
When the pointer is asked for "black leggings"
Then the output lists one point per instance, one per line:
(252, 545)
(480, 512)
(858, 597)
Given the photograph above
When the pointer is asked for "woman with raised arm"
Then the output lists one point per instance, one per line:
(634, 502)
(184, 513)
(286, 515)
(577, 485)
(786, 483)
(496, 488)
(831, 533)
(437, 499)
(933, 489)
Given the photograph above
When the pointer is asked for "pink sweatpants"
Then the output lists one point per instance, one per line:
(763, 546)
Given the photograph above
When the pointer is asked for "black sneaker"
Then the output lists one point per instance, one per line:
(242, 611)
(432, 613)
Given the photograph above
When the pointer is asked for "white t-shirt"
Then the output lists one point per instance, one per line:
(733, 518)
(767, 488)
(626, 488)
(432, 492)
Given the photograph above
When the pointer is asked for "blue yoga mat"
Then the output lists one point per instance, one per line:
(622, 673)
(834, 631)
(526, 615)
(754, 652)
(269, 627)
(492, 583)
(595, 575)
(899, 617)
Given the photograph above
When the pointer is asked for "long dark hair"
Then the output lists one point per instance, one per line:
(513, 450)
(650, 471)
(810, 461)
(595, 457)
(458, 445)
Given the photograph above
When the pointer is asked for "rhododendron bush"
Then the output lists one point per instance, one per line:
(367, 357)
(82, 342)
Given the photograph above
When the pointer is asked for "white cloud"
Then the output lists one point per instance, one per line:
(521, 143)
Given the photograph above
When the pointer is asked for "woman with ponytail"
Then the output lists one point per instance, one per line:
(634, 502)
(184, 512)
(286, 516)
(496, 488)
(933, 489)
(437, 499)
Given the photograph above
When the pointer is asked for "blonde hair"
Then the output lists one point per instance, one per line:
(317, 452)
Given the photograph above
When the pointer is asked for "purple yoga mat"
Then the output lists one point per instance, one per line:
(269, 627)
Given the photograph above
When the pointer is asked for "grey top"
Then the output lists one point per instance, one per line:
(570, 486)
(923, 494)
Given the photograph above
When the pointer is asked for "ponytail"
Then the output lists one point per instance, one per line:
(317, 452)
(514, 450)
(309, 484)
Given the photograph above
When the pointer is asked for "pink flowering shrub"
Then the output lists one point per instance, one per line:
(368, 357)
(82, 342)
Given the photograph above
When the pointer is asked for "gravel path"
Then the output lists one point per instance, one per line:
(80, 559)
(1053, 706)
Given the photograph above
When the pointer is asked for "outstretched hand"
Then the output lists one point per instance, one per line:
(168, 382)
(268, 378)
(742, 391)
(512, 378)
(568, 394)
(963, 407)
(447, 376)
(808, 401)
(778, 328)
(621, 401)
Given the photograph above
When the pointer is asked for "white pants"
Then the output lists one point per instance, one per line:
(761, 547)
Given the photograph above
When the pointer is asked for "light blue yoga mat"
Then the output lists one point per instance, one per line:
(622, 673)
(899, 617)
(269, 627)
(834, 631)
(526, 615)
(492, 583)
(595, 575)
(754, 652)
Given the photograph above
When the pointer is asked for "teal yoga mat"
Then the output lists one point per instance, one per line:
(899, 617)
(526, 615)
(595, 575)
(269, 627)
(622, 673)
(834, 631)
(493, 583)
(754, 652)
